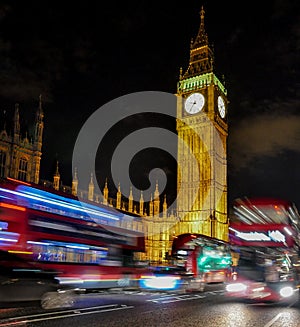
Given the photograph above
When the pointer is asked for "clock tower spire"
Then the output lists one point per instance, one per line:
(201, 54)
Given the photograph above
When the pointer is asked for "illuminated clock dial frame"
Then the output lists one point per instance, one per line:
(221, 107)
(194, 103)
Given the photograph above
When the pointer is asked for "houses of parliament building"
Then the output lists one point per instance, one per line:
(201, 124)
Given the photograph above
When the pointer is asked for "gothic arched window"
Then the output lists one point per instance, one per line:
(23, 167)
(2, 163)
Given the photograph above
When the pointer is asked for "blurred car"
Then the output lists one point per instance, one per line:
(254, 284)
(22, 281)
(253, 291)
(166, 278)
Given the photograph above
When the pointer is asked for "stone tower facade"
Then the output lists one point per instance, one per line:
(21, 151)
(202, 133)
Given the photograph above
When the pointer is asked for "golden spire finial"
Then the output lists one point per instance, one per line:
(202, 12)
(156, 192)
(141, 197)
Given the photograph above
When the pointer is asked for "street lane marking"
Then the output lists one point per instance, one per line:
(169, 299)
(184, 297)
(62, 314)
(62, 311)
(271, 322)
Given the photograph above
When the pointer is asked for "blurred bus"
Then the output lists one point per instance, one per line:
(264, 235)
(85, 244)
(206, 259)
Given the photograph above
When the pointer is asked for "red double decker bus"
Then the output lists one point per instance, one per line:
(86, 245)
(264, 234)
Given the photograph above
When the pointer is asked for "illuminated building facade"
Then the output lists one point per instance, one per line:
(21, 151)
(202, 182)
(202, 126)
(202, 161)
(153, 217)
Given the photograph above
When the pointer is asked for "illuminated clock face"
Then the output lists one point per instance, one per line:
(221, 107)
(194, 103)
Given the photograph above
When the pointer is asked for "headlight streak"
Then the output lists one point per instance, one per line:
(286, 291)
(160, 282)
(236, 287)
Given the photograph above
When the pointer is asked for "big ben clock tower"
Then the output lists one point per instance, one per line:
(202, 144)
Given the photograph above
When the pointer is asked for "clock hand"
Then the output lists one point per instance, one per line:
(193, 105)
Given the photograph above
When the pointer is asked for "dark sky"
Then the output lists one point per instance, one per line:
(81, 55)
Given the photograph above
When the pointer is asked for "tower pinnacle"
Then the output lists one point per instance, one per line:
(91, 189)
(201, 38)
(105, 193)
(75, 183)
(119, 197)
(201, 54)
(16, 123)
(39, 125)
(56, 178)
(130, 200)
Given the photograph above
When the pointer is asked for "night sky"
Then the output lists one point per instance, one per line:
(81, 55)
